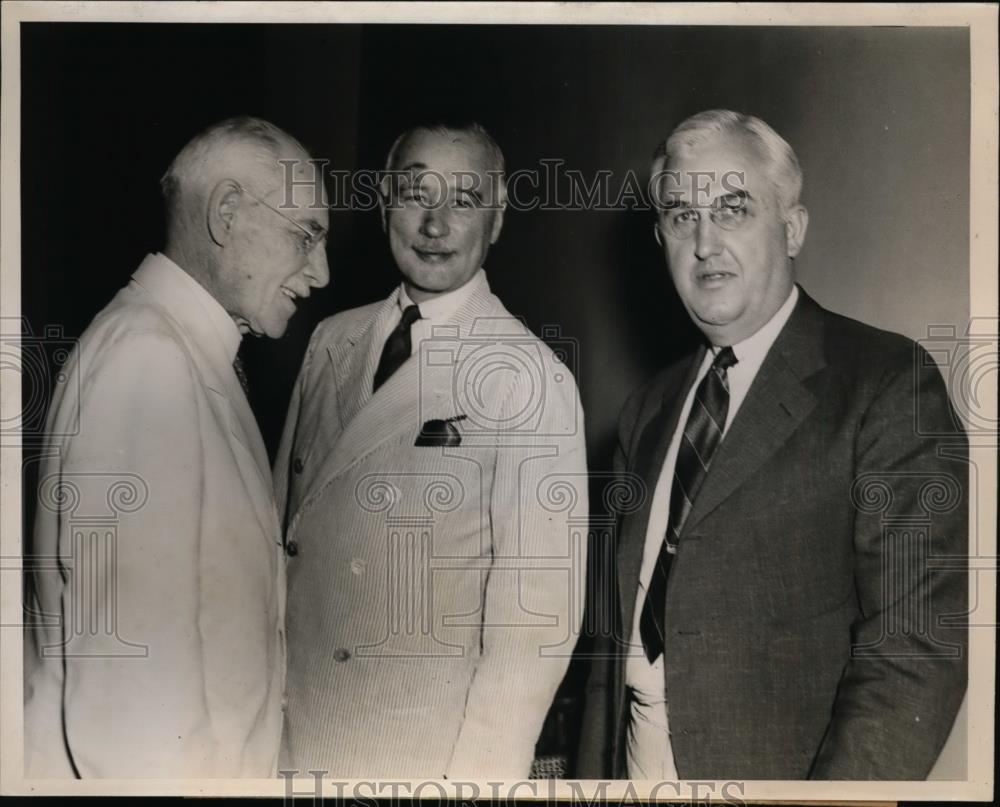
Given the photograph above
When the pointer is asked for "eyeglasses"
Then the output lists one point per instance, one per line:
(310, 240)
(729, 212)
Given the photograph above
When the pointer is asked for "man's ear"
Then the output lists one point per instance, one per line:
(497, 224)
(796, 224)
(657, 234)
(383, 199)
(223, 202)
(499, 201)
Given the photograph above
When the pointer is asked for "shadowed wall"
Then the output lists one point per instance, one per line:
(878, 117)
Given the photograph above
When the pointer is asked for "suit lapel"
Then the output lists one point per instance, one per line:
(776, 403)
(232, 408)
(355, 359)
(173, 295)
(651, 452)
(411, 393)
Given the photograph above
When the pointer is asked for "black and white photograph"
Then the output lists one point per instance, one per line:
(568, 401)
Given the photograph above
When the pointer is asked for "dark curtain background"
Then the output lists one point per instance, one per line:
(879, 118)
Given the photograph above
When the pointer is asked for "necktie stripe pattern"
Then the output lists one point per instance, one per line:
(701, 437)
(241, 375)
(397, 349)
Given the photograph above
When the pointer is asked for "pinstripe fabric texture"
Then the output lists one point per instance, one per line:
(437, 591)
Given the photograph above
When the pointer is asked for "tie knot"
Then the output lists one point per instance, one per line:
(410, 315)
(724, 359)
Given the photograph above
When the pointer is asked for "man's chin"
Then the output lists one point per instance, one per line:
(274, 330)
(427, 283)
(716, 319)
(717, 311)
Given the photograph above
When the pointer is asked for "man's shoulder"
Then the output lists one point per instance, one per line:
(857, 349)
(497, 330)
(139, 326)
(344, 323)
(844, 332)
(499, 325)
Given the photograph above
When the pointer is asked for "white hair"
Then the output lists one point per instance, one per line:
(781, 166)
(235, 146)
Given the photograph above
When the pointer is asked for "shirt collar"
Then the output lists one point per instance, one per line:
(442, 308)
(751, 351)
(222, 323)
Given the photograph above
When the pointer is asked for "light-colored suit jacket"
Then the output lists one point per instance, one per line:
(157, 646)
(435, 592)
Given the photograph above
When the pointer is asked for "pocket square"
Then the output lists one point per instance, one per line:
(440, 433)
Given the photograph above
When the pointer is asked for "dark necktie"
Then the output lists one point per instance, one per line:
(701, 437)
(398, 347)
(241, 375)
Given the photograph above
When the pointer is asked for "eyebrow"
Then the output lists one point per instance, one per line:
(742, 195)
(473, 192)
(676, 203)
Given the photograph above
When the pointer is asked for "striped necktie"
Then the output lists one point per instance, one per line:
(241, 375)
(397, 348)
(702, 434)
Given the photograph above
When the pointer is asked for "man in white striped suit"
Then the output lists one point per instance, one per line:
(432, 479)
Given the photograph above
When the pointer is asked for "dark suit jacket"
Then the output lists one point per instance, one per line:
(808, 608)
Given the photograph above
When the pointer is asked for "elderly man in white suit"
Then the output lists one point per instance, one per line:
(432, 478)
(157, 648)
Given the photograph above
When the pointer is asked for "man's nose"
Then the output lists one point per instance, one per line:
(707, 240)
(435, 222)
(318, 269)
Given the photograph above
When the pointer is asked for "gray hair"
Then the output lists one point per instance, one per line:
(473, 128)
(494, 156)
(227, 147)
(782, 167)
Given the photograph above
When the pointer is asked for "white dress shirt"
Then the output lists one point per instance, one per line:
(222, 323)
(435, 311)
(650, 755)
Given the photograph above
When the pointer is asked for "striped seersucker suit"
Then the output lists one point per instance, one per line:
(434, 591)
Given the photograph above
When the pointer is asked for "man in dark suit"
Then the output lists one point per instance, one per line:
(781, 616)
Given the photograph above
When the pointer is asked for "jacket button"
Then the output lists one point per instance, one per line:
(292, 549)
(341, 654)
(298, 465)
(357, 566)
